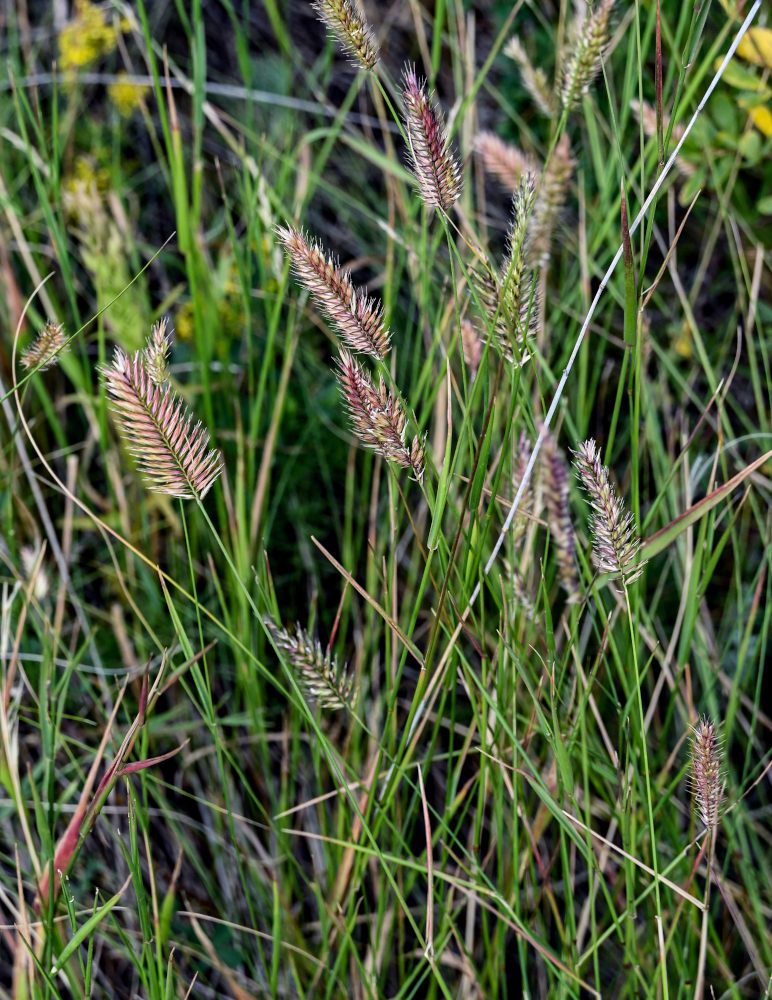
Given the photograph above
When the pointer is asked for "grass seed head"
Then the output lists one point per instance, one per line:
(438, 174)
(156, 353)
(534, 79)
(551, 197)
(350, 28)
(358, 319)
(378, 417)
(505, 161)
(585, 52)
(556, 496)
(172, 451)
(316, 672)
(707, 772)
(44, 351)
(508, 294)
(615, 544)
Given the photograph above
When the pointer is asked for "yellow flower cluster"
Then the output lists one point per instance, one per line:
(85, 182)
(126, 95)
(87, 36)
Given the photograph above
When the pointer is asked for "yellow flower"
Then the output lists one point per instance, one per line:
(126, 95)
(183, 322)
(87, 36)
(761, 116)
(683, 344)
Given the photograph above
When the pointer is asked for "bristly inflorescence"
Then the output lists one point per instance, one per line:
(534, 79)
(44, 351)
(550, 200)
(615, 543)
(508, 294)
(504, 160)
(317, 672)
(359, 319)
(585, 52)
(350, 28)
(378, 417)
(520, 460)
(438, 175)
(171, 450)
(707, 772)
(156, 353)
(556, 497)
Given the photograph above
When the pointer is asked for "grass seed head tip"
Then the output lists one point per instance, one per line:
(358, 318)
(435, 168)
(350, 28)
(171, 450)
(44, 351)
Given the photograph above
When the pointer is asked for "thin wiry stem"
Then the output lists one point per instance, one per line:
(171, 450)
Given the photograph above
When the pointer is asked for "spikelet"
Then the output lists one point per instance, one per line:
(502, 159)
(44, 351)
(549, 203)
(378, 417)
(517, 590)
(556, 493)
(171, 451)
(317, 672)
(534, 79)
(438, 175)
(615, 544)
(358, 319)
(585, 52)
(350, 28)
(522, 457)
(156, 354)
(706, 772)
(508, 296)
